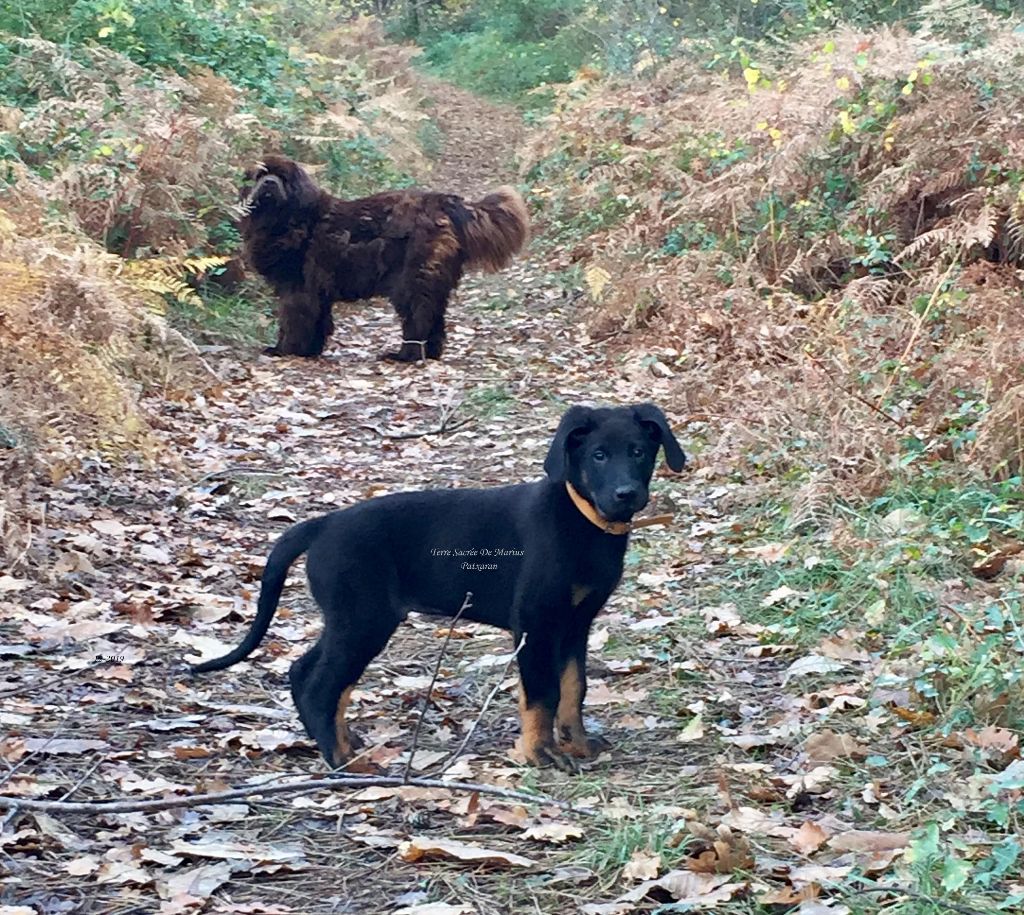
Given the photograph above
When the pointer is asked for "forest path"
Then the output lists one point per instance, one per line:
(480, 139)
(158, 569)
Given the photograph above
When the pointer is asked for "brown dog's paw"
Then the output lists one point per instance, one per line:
(408, 353)
(547, 755)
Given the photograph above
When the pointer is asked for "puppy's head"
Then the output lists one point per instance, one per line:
(608, 454)
(276, 184)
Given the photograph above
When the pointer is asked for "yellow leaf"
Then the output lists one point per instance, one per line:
(694, 730)
(751, 75)
(597, 279)
(842, 83)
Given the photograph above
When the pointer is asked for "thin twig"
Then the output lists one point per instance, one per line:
(850, 393)
(445, 426)
(301, 787)
(100, 758)
(40, 682)
(12, 770)
(467, 602)
(497, 686)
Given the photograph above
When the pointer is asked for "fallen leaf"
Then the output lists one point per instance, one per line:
(788, 895)
(842, 650)
(688, 888)
(818, 907)
(868, 840)
(435, 908)
(599, 693)
(818, 873)
(769, 552)
(811, 664)
(694, 730)
(153, 554)
(991, 564)
(229, 849)
(1002, 740)
(808, 838)
(57, 746)
(920, 719)
(827, 745)
(420, 848)
(783, 593)
(643, 864)
(108, 526)
(189, 889)
(555, 833)
(79, 867)
(753, 821)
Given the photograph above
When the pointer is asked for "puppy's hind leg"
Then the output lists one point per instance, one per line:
(327, 688)
(297, 675)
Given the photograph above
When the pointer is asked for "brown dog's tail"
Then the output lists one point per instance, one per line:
(293, 543)
(494, 229)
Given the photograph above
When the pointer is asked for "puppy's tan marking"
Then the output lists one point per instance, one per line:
(537, 727)
(569, 720)
(342, 737)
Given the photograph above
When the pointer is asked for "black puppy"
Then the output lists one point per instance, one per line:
(541, 560)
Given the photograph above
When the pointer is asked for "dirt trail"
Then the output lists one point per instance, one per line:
(157, 569)
(480, 140)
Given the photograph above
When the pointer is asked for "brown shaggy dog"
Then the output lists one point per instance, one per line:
(411, 246)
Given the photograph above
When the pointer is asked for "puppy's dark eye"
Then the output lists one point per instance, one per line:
(599, 456)
(636, 451)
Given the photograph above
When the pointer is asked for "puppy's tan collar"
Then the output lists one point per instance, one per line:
(610, 527)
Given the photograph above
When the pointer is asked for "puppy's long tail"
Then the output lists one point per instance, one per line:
(293, 543)
(494, 229)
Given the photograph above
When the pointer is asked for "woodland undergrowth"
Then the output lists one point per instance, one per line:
(824, 240)
(117, 224)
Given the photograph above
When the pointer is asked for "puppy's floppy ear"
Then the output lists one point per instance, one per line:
(652, 419)
(577, 421)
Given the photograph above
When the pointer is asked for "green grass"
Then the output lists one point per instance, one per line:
(898, 571)
(489, 402)
(244, 318)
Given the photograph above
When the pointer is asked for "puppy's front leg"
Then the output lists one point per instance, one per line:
(573, 737)
(538, 702)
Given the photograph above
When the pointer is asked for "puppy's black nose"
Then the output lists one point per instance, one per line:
(626, 493)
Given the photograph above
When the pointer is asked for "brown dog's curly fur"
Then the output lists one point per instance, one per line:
(411, 246)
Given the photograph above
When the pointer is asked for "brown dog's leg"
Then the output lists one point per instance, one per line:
(303, 326)
(422, 335)
(423, 299)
